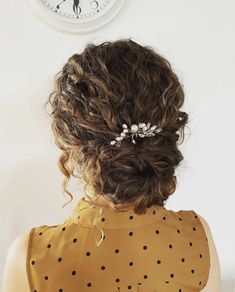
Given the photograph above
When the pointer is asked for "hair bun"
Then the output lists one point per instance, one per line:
(96, 91)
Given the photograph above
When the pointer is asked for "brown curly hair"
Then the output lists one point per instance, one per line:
(95, 93)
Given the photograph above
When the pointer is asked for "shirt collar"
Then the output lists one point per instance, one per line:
(89, 216)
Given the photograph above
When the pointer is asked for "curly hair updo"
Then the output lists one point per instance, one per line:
(95, 93)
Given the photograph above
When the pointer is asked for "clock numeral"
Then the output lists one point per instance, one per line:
(96, 3)
(76, 7)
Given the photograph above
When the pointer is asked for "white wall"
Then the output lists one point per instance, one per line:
(198, 39)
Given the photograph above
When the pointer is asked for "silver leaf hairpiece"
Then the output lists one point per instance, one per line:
(142, 130)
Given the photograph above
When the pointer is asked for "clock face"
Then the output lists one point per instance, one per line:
(78, 15)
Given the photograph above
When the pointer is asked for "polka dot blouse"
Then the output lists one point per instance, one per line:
(161, 250)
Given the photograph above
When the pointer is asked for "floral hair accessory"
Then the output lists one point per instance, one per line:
(142, 130)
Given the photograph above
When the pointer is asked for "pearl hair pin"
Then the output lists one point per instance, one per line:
(142, 130)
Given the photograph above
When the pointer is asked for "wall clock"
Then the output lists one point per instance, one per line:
(76, 16)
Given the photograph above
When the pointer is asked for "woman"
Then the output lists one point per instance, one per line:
(116, 117)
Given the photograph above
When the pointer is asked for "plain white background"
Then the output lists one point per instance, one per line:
(197, 37)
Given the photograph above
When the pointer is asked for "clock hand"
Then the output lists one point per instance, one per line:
(58, 5)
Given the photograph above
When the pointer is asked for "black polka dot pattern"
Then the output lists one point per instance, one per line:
(167, 247)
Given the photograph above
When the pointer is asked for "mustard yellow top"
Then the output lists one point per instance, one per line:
(161, 250)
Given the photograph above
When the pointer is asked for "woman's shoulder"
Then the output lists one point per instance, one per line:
(15, 270)
(214, 279)
(15, 274)
(194, 221)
